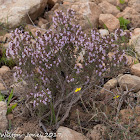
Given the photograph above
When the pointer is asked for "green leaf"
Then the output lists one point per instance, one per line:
(105, 27)
(10, 97)
(136, 61)
(123, 23)
(1, 97)
(118, 8)
(9, 110)
(122, 1)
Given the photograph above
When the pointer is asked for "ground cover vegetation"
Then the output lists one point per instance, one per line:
(63, 64)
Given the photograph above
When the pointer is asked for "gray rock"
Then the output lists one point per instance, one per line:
(104, 32)
(15, 12)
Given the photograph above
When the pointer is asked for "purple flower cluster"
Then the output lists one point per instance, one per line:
(97, 59)
(62, 58)
(40, 97)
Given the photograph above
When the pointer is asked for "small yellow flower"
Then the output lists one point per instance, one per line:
(78, 89)
(116, 96)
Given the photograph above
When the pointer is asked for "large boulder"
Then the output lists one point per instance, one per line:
(14, 12)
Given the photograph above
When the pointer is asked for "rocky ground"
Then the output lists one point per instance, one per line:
(109, 112)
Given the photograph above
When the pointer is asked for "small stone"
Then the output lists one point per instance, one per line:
(4, 69)
(34, 29)
(130, 82)
(3, 119)
(135, 69)
(110, 85)
(64, 133)
(99, 132)
(110, 21)
(2, 87)
(41, 22)
(104, 32)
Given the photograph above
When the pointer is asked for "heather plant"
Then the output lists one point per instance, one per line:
(64, 59)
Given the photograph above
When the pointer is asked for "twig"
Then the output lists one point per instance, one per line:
(57, 103)
(70, 106)
(30, 19)
(121, 101)
(77, 112)
(58, 112)
(84, 105)
(104, 89)
(28, 107)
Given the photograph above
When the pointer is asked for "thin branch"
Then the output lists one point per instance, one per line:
(30, 19)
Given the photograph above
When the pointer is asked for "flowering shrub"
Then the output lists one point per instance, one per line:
(63, 59)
